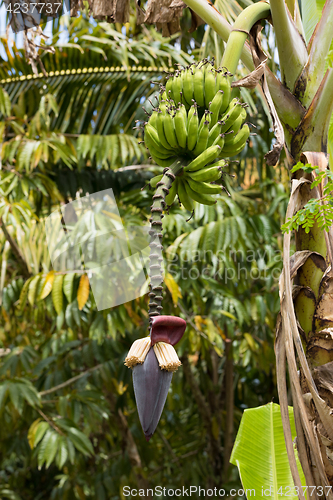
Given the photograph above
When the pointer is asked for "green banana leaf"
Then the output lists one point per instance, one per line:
(261, 456)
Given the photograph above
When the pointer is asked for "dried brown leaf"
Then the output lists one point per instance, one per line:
(196, 21)
(165, 14)
(116, 11)
(323, 376)
(320, 348)
(251, 80)
(259, 57)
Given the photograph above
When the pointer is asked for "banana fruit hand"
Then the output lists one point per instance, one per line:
(197, 123)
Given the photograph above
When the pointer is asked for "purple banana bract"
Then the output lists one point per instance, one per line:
(151, 385)
(169, 329)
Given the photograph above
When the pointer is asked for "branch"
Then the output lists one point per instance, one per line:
(16, 251)
(50, 422)
(70, 381)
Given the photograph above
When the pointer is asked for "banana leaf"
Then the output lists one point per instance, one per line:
(261, 456)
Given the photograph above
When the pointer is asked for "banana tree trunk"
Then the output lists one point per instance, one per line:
(303, 101)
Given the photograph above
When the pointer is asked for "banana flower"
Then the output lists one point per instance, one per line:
(153, 360)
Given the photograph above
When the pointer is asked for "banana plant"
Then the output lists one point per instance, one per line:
(301, 105)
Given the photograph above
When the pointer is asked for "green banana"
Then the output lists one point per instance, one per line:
(156, 152)
(219, 141)
(161, 162)
(210, 84)
(153, 119)
(244, 113)
(202, 121)
(199, 86)
(169, 130)
(215, 107)
(170, 198)
(160, 128)
(223, 83)
(177, 87)
(231, 115)
(169, 88)
(180, 128)
(192, 131)
(204, 199)
(230, 153)
(184, 198)
(203, 159)
(214, 133)
(206, 174)
(238, 141)
(182, 109)
(154, 180)
(234, 128)
(188, 88)
(204, 187)
(152, 141)
(190, 113)
(201, 144)
(220, 163)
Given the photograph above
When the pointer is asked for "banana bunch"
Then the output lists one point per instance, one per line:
(196, 123)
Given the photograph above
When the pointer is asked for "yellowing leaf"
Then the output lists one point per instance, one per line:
(57, 296)
(221, 332)
(211, 330)
(119, 386)
(68, 286)
(133, 315)
(47, 285)
(24, 295)
(83, 291)
(32, 432)
(198, 320)
(173, 288)
(218, 351)
(250, 340)
(33, 288)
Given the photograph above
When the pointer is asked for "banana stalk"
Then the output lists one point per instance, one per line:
(155, 267)
(239, 33)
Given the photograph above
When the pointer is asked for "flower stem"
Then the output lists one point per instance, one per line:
(239, 33)
(155, 267)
